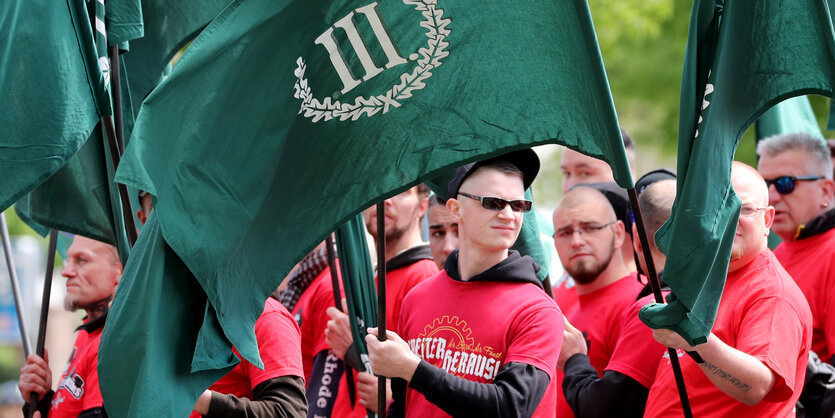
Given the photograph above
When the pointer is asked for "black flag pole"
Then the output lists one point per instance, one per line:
(18, 300)
(330, 248)
(47, 292)
(116, 91)
(655, 285)
(116, 156)
(381, 300)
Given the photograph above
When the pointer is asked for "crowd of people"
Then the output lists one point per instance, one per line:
(472, 331)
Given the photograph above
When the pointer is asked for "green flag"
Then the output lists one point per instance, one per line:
(284, 119)
(172, 325)
(790, 116)
(743, 57)
(52, 91)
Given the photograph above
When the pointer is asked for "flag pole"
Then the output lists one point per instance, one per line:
(116, 90)
(330, 248)
(655, 285)
(18, 300)
(381, 300)
(47, 291)
(116, 156)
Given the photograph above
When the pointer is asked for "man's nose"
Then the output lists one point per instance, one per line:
(773, 195)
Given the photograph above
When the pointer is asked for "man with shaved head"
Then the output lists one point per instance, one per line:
(623, 387)
(754, 361)
(578, 168)
(589, 238)
(443, 231)
(92, 270)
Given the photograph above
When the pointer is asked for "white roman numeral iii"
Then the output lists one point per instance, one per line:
(347, 24)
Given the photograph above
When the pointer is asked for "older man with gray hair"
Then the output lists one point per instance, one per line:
(798, 171)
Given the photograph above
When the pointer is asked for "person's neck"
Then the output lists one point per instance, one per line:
(97, 311)
(628, 255)
(408, 240)
(613, 272)
(474, 260)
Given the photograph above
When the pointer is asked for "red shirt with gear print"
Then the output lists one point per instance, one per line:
(471, 329)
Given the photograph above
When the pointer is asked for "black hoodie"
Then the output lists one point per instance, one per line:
(518, 387)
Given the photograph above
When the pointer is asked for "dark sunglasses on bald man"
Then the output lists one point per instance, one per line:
(497, 203)
(786, 184)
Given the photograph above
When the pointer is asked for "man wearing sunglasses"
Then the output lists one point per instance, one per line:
(798, 170)
(588, 237)
(480, 338)
(754, 360)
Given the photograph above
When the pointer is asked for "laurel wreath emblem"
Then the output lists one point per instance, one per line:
(430, 57)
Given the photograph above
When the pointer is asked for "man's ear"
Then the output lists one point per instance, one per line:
(454, 208)
(620, 234)
(768, 218)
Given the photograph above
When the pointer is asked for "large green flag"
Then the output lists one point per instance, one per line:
(51, 90)
(743, 57)
(284, 119)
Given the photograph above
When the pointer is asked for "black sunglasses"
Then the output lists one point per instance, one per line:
(497, 203)
(785, 184)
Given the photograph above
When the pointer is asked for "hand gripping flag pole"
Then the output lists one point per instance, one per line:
(381, 300)
(655, 284)
(47, 291)
(18, 301)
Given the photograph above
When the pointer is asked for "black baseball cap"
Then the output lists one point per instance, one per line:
(525, 160)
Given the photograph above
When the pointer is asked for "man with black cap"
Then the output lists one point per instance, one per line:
(480, 338)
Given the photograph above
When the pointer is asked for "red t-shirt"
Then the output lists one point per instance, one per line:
(471, 329)
(636, 352)
(811, 263)
(599, 315)
(311, 315)
(565, 294)
(78, 389)
(399, 282)
(278, 344)
(763, 314)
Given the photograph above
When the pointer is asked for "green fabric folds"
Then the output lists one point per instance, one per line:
(743, 57)
(51, 91)
(150, 371)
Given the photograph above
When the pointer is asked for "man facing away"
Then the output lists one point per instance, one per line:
(754, 361)
(478, 339)
(589, 238)
(93, 271)
(798, 171)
